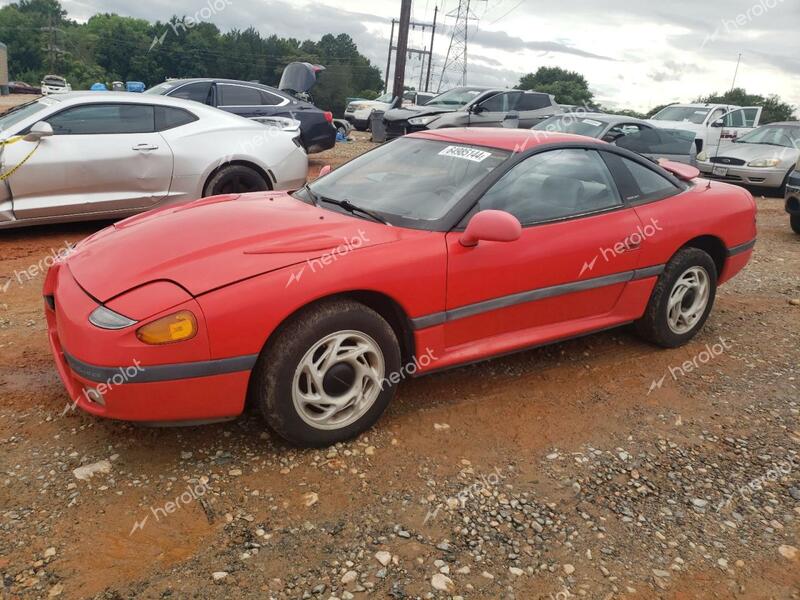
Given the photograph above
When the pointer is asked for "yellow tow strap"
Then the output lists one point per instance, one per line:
(13, 140)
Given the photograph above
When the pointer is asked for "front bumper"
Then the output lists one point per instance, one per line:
(110, 374)
(395, 129)
(772, 178)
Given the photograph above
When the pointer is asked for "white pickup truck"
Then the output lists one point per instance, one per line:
(712, 123)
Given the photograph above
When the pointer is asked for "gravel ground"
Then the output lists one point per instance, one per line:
(593, 468)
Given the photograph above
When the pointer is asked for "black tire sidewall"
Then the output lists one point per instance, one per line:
(228, 171)
(794, 221)
(279, 364)
(655, 322)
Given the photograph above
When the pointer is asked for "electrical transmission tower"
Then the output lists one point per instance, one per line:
(454, 72)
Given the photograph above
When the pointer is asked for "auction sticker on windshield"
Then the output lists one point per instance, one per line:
(466, 153)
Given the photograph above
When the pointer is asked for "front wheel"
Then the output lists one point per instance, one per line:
(794, 221)
(681, 300)
(325, 378)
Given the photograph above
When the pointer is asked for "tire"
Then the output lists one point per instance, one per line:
(235, 179)
(281, 377)
(342, 130)
(794, 221)
(687, 266)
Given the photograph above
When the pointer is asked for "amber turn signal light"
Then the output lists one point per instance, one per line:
(176, 327)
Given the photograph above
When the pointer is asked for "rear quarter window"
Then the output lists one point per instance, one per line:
(168, 117)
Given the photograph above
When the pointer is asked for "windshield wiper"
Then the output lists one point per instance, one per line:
(352, 208)
(311, 194)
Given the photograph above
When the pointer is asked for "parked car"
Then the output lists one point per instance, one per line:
(793, 199)
(712, 123)
(438, 249)
(55, 84)
(634, 134)
(20, 87)
(764, 157)
(359, 111)
(473, 107)
(254, 100)
(99, 156)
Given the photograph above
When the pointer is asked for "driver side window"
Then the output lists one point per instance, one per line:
(554, 185)
(501, 102)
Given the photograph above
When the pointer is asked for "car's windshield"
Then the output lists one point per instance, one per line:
(689, 114)
(408, 181)
(573, 123)
(456, 98)
(387, 97)
(21, 112)
(786, 136)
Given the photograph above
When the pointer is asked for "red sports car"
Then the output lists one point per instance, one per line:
(434, 250)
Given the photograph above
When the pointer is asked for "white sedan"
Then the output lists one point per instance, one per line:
(98, 155)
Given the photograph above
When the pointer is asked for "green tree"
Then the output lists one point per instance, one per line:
(568, 87)
(775, 109)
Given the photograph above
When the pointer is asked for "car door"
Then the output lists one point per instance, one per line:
(533, 108)
(494, 110)
(575, 256)
(102, 157)
(740, 121)
(249, 101)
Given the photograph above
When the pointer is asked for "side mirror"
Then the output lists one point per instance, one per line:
(476, 109)
(324, 171)
(491, 226)
(38, 130)
(718, 123)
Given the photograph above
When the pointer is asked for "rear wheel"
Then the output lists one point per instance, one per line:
(325, 377)
(794, 220)
(681, 300)
(235, 179)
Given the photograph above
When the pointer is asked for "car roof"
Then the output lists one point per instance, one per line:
(220, 80)
(605, 117)
(500, 138)
(783, 124)
(135, 98)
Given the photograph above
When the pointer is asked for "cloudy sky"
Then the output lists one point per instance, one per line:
(634, 54)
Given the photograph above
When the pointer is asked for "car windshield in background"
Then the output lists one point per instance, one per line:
(409, 180)
(688, 114)
(786, 136)
(658, 141)
(573, 124)
(23, 111)
(457, 98)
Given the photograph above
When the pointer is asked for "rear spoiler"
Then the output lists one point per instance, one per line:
(680, 170)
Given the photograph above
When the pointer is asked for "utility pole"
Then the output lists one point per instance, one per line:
(430, 55)
(736, 72)
(389, 58)
(427, 52)
(402, 50)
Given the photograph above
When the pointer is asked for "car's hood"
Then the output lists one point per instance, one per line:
(210, 243)
(409, 112)
(748, 152)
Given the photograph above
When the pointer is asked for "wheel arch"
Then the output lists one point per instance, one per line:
(713, 246)
(383, 304)
(267, 174)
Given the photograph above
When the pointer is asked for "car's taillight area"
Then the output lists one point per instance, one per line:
(328, 116)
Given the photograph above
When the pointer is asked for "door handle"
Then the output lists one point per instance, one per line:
(143, 147)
